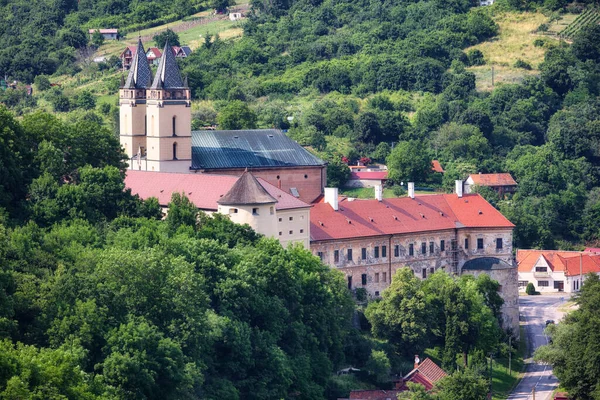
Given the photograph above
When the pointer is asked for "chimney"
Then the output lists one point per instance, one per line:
(331, 197)
(459, 188)
(379, 192)
(411, 190)
(417, 361)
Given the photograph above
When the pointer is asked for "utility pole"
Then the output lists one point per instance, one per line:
(491, 371)
(580, 270)
(533, 393)
(509, 354)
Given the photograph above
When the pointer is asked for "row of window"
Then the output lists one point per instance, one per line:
(363, 279)
(411, 249)
(291, 218)
(302, 231)
(499, 244)
(383, 276)
(557, 284)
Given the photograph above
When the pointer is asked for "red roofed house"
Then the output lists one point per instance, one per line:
(554, 270)
(501, 183)
(368, 240)
(247, 200)
(427, 374)
(108, 34)
(367, 178)
(153, 55)
(437, 167)
(127, 56)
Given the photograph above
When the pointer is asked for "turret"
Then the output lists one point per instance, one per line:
(248, 202)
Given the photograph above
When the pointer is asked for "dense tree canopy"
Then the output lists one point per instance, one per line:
(573, 350)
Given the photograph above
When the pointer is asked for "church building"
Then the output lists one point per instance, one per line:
(155, 132)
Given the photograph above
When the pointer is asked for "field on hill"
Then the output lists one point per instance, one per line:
(514, 42)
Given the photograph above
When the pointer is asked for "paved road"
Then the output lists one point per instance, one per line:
(535, 310)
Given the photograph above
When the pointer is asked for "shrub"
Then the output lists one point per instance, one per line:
(530, 289)
(542, 28)
(361, 294)
(398, 191)
(42, 82)
(539, 42)
(475, 57)
(522, 64)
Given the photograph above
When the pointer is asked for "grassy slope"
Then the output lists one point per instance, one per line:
(515, 41)
(502, 381)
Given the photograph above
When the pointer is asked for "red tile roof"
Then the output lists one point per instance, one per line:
(437, 167)
(526, 259)
(361, 218)
(204, 190)
(592, 250)
(559, 261)
(369, 175)
(427, 373)
(503, 179)
(584, 264)
(156, 51)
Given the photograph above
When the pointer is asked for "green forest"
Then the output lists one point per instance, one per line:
(103, 299)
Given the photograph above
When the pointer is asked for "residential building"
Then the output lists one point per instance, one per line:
(554, 270)
(246, 200)
(501, 183)
(437, 167)
(107, 34)
(181, 51)
(368, 240)
(426, 374)
(367, 179)
(153, 55)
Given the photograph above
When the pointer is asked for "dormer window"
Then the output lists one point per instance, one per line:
(255, 211)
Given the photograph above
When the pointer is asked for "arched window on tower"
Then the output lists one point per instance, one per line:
(175, 151)
(174, 123)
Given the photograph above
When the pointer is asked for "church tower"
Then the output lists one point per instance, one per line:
(132, 101)
(168, 113)
(248, 202)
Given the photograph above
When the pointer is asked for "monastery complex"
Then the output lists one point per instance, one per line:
(266, 180)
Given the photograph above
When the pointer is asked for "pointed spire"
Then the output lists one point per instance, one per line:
(139, 75)
(247, 190)
(167, 75)
(122, 81)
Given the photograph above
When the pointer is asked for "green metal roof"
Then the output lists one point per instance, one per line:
(257, 148)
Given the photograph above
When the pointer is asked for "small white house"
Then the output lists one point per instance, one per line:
(555, 271)
(108, 34)
(234, 16)
(367, 179)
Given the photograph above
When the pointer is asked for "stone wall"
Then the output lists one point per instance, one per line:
(373, 272)
(309, 181)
